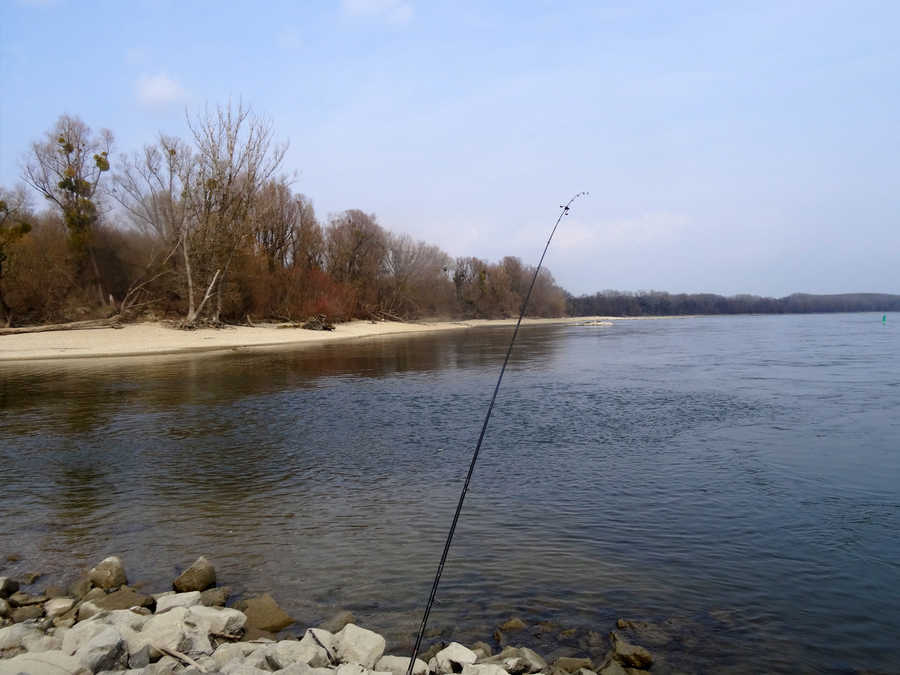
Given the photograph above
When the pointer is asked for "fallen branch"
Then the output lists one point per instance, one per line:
(184, 658)
(74, 325)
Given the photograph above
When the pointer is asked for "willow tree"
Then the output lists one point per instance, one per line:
(66, 169)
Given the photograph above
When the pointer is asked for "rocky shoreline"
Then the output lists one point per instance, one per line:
(100, 624)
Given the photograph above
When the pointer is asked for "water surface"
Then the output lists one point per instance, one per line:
(734, 476)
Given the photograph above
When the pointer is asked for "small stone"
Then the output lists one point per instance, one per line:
(5, 609)
(20, 614)
(198, 577)
(513, 624)
(55, 592)
(571, 664)
(612, 667)
(8, 587)
(31, 577)
(215, 597)
(110, 573)
(338, 621)
(264, 613)
(483, 647)
(353, 644)
(628, 654)
(58, 606)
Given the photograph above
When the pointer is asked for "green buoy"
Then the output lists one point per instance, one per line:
(884, 318)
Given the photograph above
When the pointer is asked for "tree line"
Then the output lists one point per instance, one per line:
(208, 229)
(658, 303)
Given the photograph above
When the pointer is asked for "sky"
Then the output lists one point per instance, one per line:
(728, 147)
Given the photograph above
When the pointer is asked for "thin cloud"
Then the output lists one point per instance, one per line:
(159, 89)
(394, 12)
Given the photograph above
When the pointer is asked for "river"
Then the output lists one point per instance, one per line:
(733, 479)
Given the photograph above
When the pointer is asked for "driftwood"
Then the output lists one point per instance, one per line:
(184, 658)
(112, 322)
(319, 322)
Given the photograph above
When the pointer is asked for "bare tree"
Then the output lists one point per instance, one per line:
(235, 157)
(14, 224)
(414, 270)
(66, 168)
(355, 247)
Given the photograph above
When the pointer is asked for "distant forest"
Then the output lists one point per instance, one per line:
(208, 229)
(656, 303)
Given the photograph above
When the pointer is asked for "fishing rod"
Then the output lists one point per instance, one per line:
(564, 211)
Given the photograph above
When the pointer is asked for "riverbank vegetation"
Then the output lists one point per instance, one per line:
(208, 230)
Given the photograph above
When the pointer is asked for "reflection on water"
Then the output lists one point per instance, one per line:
(738, 475)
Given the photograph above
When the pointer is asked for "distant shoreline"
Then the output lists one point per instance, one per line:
(156, 339)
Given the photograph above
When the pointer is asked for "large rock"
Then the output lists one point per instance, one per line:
(8, 587)
(22, 599)
(338, 621)
(353, 644)
(221, 620)
(104, 651)
(630, 655)
(87, 609)
(43, 663)
(110, 573)
(215, 597)
(232, 652)
(198, 577)
(20, 614)
(169, 601)
(18, 636)
(399, 665)
(452, 659)
(291, 652)
(58, 606)
(517, 660)
(483, 669)
(178, 630)
(78, 589)
(124, 598)
(265, 614)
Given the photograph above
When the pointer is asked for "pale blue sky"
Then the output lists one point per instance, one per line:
(728, 146)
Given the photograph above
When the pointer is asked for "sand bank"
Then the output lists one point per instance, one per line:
(146, 339)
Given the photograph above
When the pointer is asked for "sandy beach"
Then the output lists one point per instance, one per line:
(146, 339)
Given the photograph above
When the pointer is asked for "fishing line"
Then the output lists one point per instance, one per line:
(564, 210)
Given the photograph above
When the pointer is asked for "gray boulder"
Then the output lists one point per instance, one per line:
(215, 597)
(198, 577)
(222, 620)
(178, 630)
(44, 663)
(20, 614)
(452, 659)
(171, 600)
(19, 635)
(398, 665)
(104, 651)
(483, 669)
(353, 644)
(110, 573)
